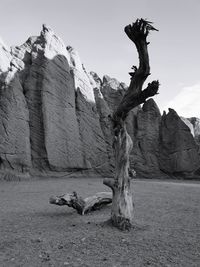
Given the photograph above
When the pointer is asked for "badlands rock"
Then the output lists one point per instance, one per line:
(14, 117)
(55, 118)
(14, 128)
(105, 120)
(146, 140)
(46, 125)
(189, 124)
(196, 127)
(112, 91)
(82, 79)
(178, 150)
(92, 138)
(49, 87)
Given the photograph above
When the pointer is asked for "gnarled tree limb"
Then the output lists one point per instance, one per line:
(122, 204)
(137, 33)
(133, 99)
(122, 201)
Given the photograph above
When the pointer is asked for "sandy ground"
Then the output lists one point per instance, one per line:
(34, 233)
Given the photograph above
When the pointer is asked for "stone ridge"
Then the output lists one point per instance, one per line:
(55, 118)
(49, 123)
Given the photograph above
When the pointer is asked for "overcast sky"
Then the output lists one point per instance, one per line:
(95, 29)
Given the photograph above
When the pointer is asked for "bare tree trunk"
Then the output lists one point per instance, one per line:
(122, 204)
(122, 200)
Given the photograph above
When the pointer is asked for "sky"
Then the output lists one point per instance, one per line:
(96, 29)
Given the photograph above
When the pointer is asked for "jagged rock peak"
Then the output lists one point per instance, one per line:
(172, 111)
(150, 105)
(5, 56)
(3, 45)
(74, 58)
(46, 28)
(52, 44)
(97, 79)
(48, 31)
(113, 83)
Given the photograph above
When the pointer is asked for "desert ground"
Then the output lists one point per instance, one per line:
(166, 228)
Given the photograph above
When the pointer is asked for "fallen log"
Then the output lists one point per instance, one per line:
(82, 206)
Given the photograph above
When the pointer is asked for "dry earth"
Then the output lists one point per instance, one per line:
(33, 233)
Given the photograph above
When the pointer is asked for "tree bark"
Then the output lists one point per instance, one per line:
(122, 204)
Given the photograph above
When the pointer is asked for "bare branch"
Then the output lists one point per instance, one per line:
(138, 33)
(132, 100)
(139, 30)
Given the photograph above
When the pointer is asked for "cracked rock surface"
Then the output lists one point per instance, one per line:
(55, 118)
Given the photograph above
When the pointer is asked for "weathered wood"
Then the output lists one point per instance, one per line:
(133, 99)
(122, 204)
(82, 206)
(121, 197)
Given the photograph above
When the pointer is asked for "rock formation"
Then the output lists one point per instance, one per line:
(178, 150)
(189, 124)
(49, 121)
(196, 128)
(146, 145)
(55, 118)
(5, 57)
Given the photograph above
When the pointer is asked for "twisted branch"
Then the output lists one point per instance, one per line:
(134, 96)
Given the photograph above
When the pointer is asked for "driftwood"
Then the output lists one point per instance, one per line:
(122, 204)
(83, 206)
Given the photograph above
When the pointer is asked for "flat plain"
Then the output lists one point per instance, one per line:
(166, 228)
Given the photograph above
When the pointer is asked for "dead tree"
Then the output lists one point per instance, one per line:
(122, 201)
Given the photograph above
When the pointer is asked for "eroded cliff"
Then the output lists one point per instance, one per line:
(55, 118)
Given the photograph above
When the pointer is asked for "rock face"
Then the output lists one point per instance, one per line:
(5, 57)
(178, 150)
(14, 116)
(146, 145)
(189, 124)
(196, 128)
(55, 118)
(49, 122)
